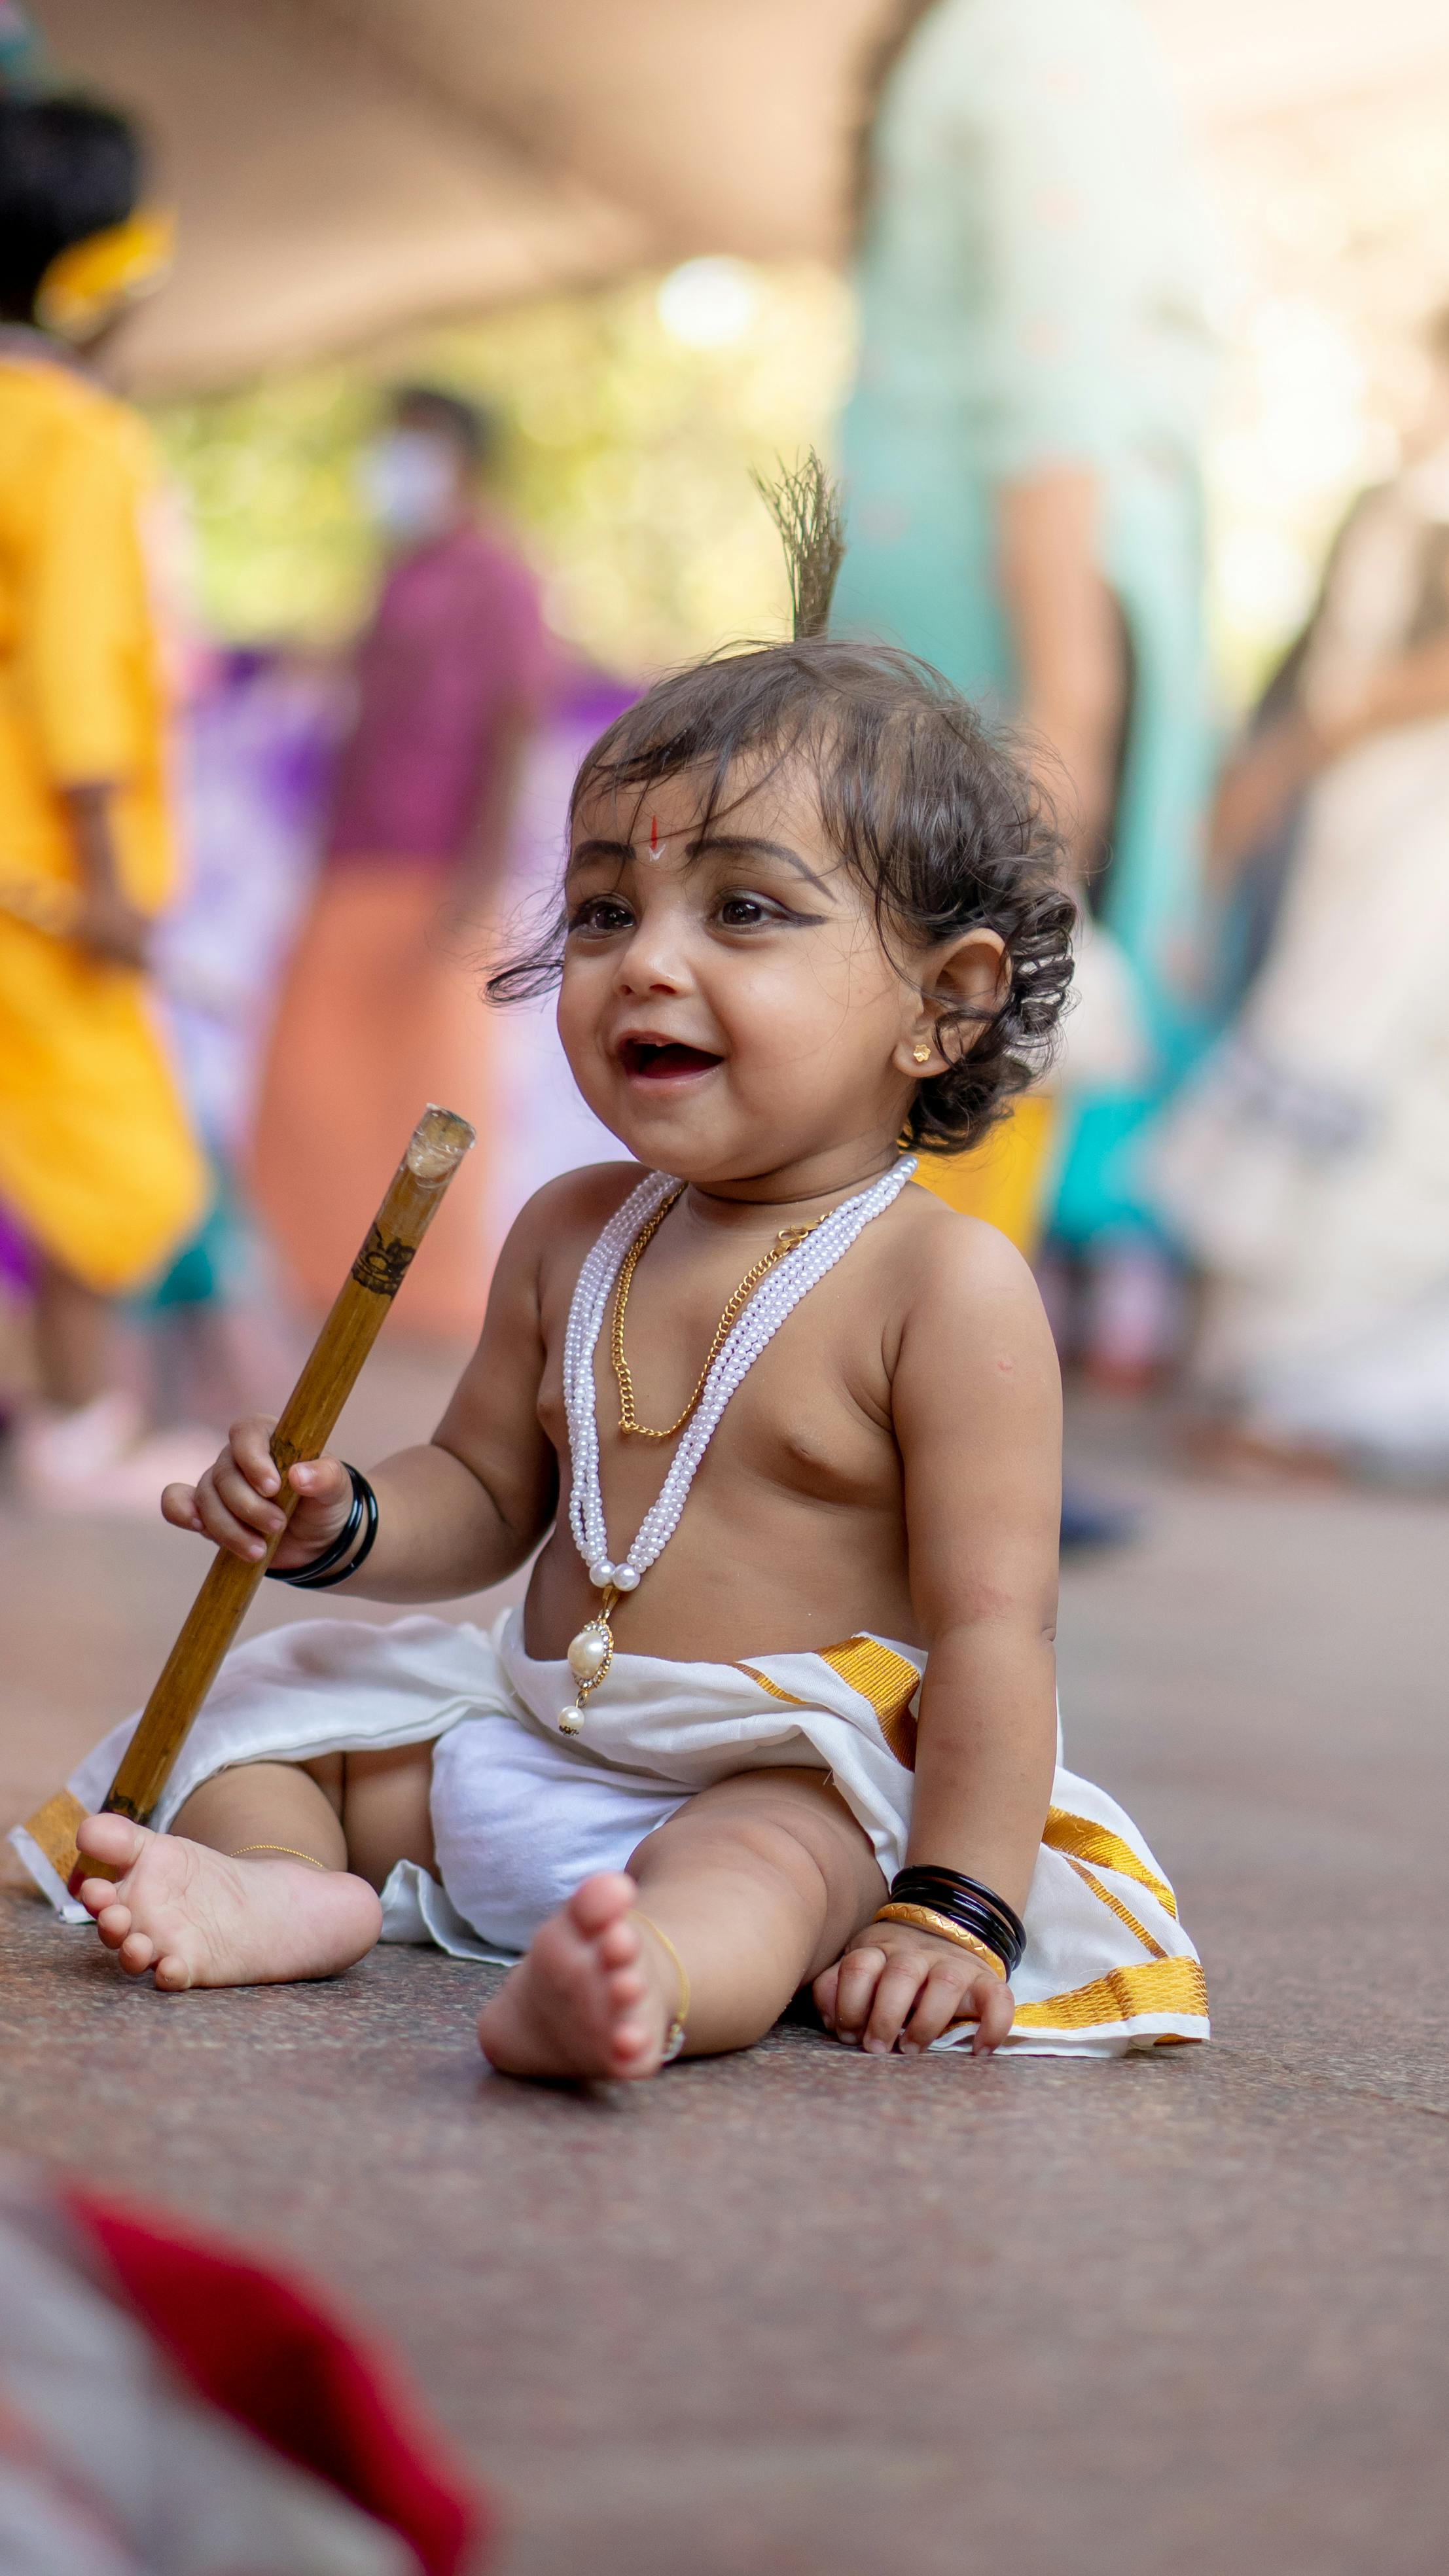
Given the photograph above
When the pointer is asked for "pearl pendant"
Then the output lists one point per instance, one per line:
(589, 1651)
(590, 1654)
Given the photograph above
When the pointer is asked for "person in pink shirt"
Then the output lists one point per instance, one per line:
(449, 677)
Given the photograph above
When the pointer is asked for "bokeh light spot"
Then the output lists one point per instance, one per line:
(708, 302)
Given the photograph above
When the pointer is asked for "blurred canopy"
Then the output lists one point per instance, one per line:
(485, 192)
(346, 167)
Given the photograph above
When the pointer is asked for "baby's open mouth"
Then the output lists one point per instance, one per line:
(663, 1059)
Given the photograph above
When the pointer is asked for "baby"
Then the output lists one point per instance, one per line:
(800, 1731)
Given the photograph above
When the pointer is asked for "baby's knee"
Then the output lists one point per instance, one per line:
(802, 1836)
(779, 1832)
(784, 1846)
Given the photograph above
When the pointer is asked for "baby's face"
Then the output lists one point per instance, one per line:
(727, 1007)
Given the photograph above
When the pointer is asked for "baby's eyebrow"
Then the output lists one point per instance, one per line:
(749, 844)
(592, 851)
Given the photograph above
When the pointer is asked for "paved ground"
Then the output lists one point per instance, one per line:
(806, 2311)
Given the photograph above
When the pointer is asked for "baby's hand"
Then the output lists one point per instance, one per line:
(236, 1500)
(895, 1987)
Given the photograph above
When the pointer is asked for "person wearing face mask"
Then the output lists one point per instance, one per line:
(448, 679)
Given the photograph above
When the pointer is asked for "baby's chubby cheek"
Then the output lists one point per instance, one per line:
(581, 1019)
(821, 1039)
(786, 1035)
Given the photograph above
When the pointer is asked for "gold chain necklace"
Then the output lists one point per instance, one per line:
(785, 1241)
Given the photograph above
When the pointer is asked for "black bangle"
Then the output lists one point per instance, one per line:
(966, 1903)
(324, 1572)
(331, 1556)
(338, 1562)
(370, 1529)
(361, 1486)
(955, 1882)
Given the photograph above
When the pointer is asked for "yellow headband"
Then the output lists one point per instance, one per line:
(86, 283)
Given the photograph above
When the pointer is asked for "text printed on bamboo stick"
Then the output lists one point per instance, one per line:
(380, 1265)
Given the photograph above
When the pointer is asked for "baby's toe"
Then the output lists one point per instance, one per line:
(600, 1902)
(618, 1946)
(113, 1921)
(561, 1957)
(112, 1839)
(136, 1953)
(173, 1975)
(630, 2040)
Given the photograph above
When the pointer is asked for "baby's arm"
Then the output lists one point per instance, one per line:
(977, 1408)
(454, 1515)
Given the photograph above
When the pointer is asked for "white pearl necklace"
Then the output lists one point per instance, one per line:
(591, 1651)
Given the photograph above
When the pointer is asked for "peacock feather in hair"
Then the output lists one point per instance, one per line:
(805, 506)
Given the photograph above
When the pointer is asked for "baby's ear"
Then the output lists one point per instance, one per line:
(969, 975)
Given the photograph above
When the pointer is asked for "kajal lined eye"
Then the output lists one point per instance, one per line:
(600, 915)
(745, 910)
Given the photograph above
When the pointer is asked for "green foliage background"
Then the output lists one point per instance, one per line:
(626, 467)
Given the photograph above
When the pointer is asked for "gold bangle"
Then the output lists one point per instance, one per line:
(921, 1919)
(674, 2036)
(286, 1851)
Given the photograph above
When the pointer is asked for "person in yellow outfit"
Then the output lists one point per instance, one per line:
(98, 1164)
(1007, 1179)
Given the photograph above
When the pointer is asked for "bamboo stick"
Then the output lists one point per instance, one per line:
(438, 1144)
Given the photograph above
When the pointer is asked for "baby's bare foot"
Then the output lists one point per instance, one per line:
(198, 1918)
(586, 2001)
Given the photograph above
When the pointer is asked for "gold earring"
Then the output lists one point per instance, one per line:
(921, 1054)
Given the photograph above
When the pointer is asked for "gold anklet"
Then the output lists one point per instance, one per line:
(286, 1851)
(674, 2036)
(922, 1919)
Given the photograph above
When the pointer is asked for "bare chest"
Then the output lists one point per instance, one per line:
(811, 1419)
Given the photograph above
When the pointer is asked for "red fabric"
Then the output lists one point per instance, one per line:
(267, 2353)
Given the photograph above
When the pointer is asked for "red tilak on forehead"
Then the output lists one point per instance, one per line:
(654, 836)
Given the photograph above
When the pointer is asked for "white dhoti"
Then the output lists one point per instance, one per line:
(522, 1813)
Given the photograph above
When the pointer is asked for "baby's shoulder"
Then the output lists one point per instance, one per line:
(588, 1195)
(963, 1248)
(958, 1269)
(563, 1218)
(971, 1333)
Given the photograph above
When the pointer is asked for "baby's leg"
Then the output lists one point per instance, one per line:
(757, 1884)
(269, 1874)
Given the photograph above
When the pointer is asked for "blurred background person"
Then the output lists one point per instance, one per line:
(1022, 460)
(450, 676)
(256, 754)
(1307, 1164)
(539, 1125)
(99, 1171)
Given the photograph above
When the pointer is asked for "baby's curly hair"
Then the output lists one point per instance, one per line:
(930, 810)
